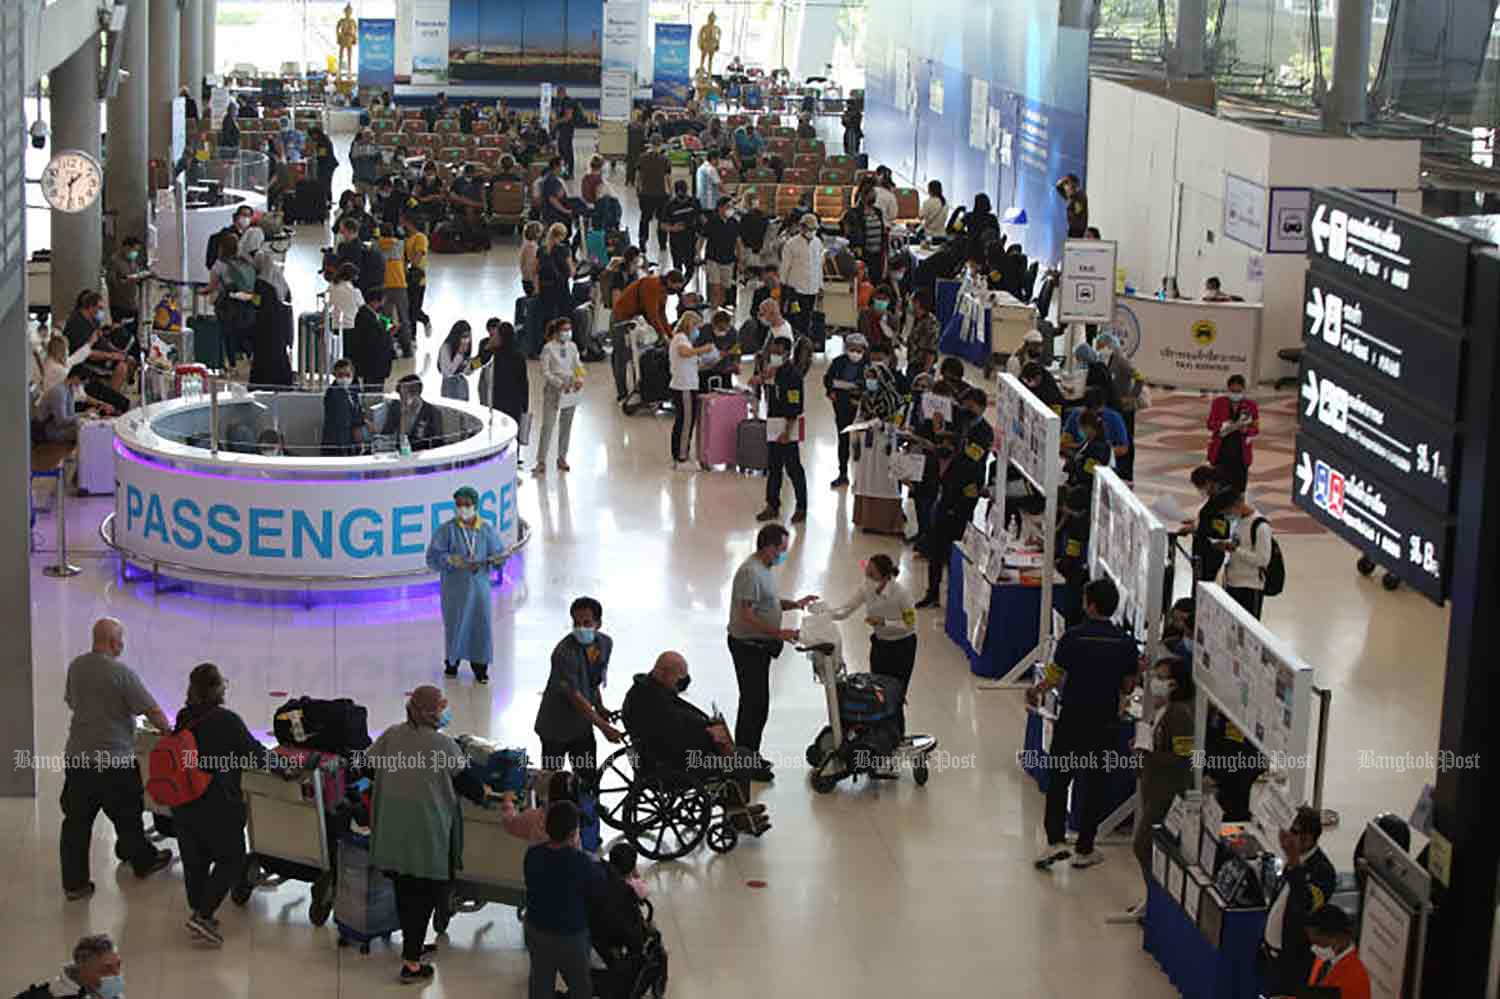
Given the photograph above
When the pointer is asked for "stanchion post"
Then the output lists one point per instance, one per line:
(1320, 762)
(213, 414)
(62, 570)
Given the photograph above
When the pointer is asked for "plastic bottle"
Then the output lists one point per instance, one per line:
(405, 446)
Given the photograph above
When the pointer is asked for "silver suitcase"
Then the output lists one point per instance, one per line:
(96, 457)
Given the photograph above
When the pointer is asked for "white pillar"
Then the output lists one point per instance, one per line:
(164, 82)
(1192, 32)
(210, 34)
(190, 55)
(77, 237)
(125, 178)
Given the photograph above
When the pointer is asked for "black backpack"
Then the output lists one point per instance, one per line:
(331, 726)
(1275, 570)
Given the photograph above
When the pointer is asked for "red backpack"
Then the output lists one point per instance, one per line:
(173, 777)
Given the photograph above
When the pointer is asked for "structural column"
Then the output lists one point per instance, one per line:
(210, 32)
(1192, 32)
(77, 237)
(125, 177)
(191, 54)
(1345, 102)
(163, 46)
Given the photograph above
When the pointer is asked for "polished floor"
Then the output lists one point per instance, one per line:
(872, 891)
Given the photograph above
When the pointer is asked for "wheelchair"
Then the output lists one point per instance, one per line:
(629, 974)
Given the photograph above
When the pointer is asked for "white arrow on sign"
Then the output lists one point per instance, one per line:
(1315, 312)
(1305, 473)
(1310, 393)
(1320, 228)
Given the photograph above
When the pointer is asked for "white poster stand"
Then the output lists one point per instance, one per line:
(1258, 683)
(1028, 436)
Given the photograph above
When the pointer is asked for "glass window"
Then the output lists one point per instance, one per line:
(266, 33)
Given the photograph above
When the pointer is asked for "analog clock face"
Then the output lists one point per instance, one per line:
(72, 181)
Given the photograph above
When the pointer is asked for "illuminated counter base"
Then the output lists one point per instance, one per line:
(247, 520)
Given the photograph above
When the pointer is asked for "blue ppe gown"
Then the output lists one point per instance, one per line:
(465, 592)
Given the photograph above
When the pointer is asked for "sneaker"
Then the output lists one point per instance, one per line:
(481, 673)
(1051, 854)
(839, 483)
(203, 930)
(1090, 859)
(79, 894)
(769, 513)
(450, 670)
(930, 600)
(161, 862)
(799, 517)
(410, 977)
(755, 825)
(539, 471)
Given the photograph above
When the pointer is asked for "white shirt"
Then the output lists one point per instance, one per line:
(934, 216)
(802, 264)
(892, 605)
(451, 362)
(684, 369)
(1276, 918)
(344, 301)
(784, 329)
(53, 373)
(560, 364)
(885, 203)
(1246, 564)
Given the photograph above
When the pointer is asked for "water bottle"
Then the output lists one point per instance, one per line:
(405, 446)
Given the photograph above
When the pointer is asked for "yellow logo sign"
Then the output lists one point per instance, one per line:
(1203, 332)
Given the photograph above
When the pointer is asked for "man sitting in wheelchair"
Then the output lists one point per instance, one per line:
(669, 733)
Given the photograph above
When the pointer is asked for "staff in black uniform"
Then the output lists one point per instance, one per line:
(959, 478)
(783, 381)
(1307, 882)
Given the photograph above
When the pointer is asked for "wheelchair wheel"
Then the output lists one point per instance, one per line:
(722, 837)
(666, 816)
(615, 776)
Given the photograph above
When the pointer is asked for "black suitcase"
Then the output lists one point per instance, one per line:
(336, 726)
(528, 324)
(583, 333)
(655, 376)
(305, 206)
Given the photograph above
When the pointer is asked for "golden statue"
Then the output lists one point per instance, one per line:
(708, 44)
(348, 37)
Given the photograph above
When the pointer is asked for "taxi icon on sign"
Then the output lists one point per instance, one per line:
(1204, 332)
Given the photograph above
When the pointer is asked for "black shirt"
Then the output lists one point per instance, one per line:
(225, 749)
(663, 726)
(682, 211)
(1096, 657)
(723, 236)
(785, 392)
(753, 226)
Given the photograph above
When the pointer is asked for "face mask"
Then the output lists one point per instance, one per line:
(585, 636)
(872, 384)
(565, 335)
(896, 276)
(856, 358)
(880, 305)
(345, 382)
(1160, 686)
(242, 223)
(112, 986)
(446, 718)
(465, 513)
(682, 685)
(1105, 355)
(102, 315)
(1324, 953)
(1236, 396)
(779, 559)
(774, 360)
(132, 255)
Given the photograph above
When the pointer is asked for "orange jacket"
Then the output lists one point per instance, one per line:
(1348, 975)
(646, 297)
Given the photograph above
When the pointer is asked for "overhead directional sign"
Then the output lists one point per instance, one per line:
(1416, 452)
(1423, 266)
(1393, 349)
(1390, 527)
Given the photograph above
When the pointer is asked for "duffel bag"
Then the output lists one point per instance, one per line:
(500, 768)
(333, 726)
(866, 697)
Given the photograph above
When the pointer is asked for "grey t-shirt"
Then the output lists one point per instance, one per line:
(575, 668)
(753, 584)
(106, 696)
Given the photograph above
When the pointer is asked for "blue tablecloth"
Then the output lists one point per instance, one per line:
(945, 299)
(1191, 963)
(952, 342)
(1015, 612)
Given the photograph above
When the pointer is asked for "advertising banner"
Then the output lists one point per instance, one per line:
(622, 35)
(673, 77)
(429, 42)
(614, 95)
(377, 52)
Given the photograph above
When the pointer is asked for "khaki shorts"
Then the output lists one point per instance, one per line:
(719, 274)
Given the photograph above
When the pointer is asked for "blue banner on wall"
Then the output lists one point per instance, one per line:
(377, 52)
(673, 73)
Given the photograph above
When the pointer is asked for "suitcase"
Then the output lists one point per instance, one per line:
(96, 457)
(364, 907)
(305, 206)
(528, 325)
(596, 249)
(879, 514)
(208, 342)
(656, 376)
(334, 726)
(311, 345)
(335, 775)
(750, 451)
(719, 418)
(583, 333)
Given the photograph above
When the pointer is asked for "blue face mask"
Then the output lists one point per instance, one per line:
(446, 718)
(112, 986)
(779, 559)
(872, 384)
(102, 316)
(585, 636)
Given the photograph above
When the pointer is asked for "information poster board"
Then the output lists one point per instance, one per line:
(429, 41)
(1088, 281)
(672, 77)
(614, 94)
(1258, 683)
(1128, 543)
(1244, 211)
(377, 52)
(621, 46)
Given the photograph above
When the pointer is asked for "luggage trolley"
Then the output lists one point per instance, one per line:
(494, 862)
(640, 392)
(293, 832)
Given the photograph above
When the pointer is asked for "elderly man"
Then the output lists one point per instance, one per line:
(101, 773)
(802, 271)
(669, 731)
(96, 970)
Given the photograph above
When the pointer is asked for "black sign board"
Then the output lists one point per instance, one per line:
(1391, 528)
(1393, 349)
(1386, 251)
(1416, 452)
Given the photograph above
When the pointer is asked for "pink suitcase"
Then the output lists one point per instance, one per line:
(719, 417)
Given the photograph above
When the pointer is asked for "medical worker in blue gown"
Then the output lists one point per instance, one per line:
(462, 552)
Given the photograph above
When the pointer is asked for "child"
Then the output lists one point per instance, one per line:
(622, 862)
(531, 238)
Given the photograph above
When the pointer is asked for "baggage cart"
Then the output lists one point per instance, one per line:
(293, 834)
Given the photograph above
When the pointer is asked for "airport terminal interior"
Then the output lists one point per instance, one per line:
(879, 886)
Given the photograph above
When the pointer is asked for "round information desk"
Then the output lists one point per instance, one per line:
(197, 500)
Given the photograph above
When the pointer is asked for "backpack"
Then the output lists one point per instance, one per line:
(173, 776)
(1275, 570)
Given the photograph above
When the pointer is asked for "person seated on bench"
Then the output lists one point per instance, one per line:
(107, 367)
(58, 416)
(669, 732)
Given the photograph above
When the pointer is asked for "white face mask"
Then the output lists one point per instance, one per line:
(1324, 953)
(1236, 396)
(564, 335)
(344, 381)
(1160, 686)
(774, 360)
(465, 513)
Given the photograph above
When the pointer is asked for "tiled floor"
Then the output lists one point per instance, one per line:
(872, 891)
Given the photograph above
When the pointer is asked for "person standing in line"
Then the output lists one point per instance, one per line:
(1099, 662)
(453, 361)
(706, 182)
(211, 828)
(562, 375)
(802, 272)
(392, 244)
(415, 249)
(419, 840)
(934, 211)
(1234, 422)
(652, 173)
(960, 478)
(680, 220)
(531, 239)
(1167, 766)
(720, 249)
(684, 383)
(1249, 554)
(783, 380)
(510, 382)
(105, 697)
(555, 274)
(756, 637)
(845, 383)
(462, 552)
(560, 879)
(573, 702)
(892, 616)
